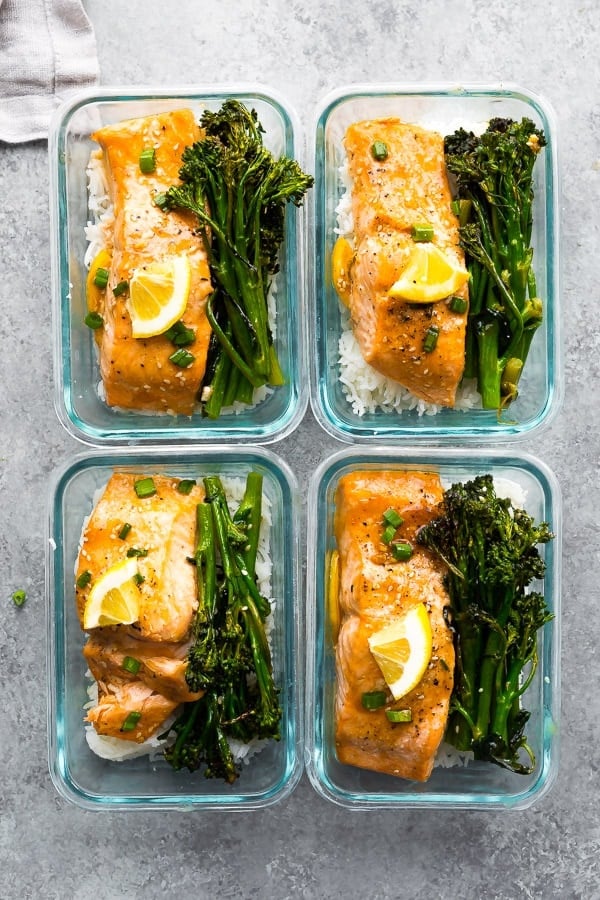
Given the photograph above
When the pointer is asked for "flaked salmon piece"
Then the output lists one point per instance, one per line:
(118, 700)
(163, 527)
(373, 590)
(137, 373)
(162, 666)
(409, 187)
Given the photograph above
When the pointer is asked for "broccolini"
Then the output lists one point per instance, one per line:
(494, 183)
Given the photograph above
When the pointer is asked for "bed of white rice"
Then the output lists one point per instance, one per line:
(118, 750)
(366, 389)
(98, 233)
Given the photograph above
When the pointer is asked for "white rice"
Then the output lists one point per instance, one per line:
(99, 234)
(366, 389)
(118, 750)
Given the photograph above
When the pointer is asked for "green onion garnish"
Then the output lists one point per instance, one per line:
(147, 160)
(131, 721)
(94, 320)
(392, 518)
(185, 485)
(136, 551)
(180, 335)
(422, 234)
(462, 209)
(131, 665)
(431, 338)
(182, 358)
(388, 534)
(402, 551)
(373, 699)
(379, 150)
(399, 715)
(457, 304)
(444, 664)
(144, 487)
(162, 201)
(101, 278)
(121, 288)
(84, 579)
(138, 578)
(124, 531)
(19, 597)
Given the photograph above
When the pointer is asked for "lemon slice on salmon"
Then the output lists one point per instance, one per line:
(158, 295)
(429, 275)
(342, 257)
(94, 294)
(403, 650)
(114, 598)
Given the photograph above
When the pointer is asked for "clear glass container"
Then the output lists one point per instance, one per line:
(478, 785)
(77, 377)
(442, 108)
(95, 783)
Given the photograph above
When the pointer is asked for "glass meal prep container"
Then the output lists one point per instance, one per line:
(442, 108)
(96, 783)
(478, 785)
(77, 377)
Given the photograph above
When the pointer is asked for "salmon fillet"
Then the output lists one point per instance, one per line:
(409, 187)
(373, 590)
(163, 526)
(137, 373)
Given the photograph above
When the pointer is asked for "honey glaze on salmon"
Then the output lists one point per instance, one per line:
(163, 528)
(389, 196)
(137, 373)
(373, 590)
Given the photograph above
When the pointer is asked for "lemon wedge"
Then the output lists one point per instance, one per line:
(333, 590)
(428, 276)
(114, 598)
(342, 256)
(158, 295)
(94, 294)
(403, 650)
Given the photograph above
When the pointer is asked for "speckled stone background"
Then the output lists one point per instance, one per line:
(305, 847)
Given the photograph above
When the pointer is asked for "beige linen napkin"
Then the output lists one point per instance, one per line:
(47, 51)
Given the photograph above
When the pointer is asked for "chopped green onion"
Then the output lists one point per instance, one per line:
(147, 160)
(19, 597)
(162, 201)
(182, 358)
(185, 485)
(457, 304)
(373, 699)
(392, 518)
(431, 338)
(388, 534)
(138, 578)
(379, 150)
(402, 551)
(94, 320)
(124, 531)
(131, 721)
(121, 288)
(136, 551)
(180, 335)
(84, 579)
(444, 664)
(461, 209)
(101, 278)
(131, 665)
(144, 487)
(399, 715)
(422, 234)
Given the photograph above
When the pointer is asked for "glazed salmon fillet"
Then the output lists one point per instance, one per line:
(163, 527)
(373, 590)
(137, 373)
(389, 196)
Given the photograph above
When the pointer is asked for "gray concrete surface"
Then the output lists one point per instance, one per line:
(305, 847)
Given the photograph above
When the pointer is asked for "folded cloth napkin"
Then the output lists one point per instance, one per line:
(47, 51)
